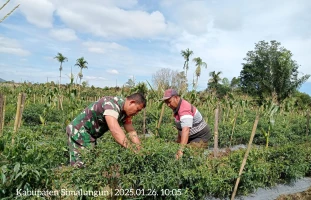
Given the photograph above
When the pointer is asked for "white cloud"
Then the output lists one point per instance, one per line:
(12, 46)
(39, 13)
(112, 71)
(119, 3)
(63, 34)
(192, 16)
(112, 21)
(94, 78)
(229, 18)
(103, 47)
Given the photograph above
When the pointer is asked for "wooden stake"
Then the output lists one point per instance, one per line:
(245, 156)
(61, 102)
(22, 106)
(308, 123)
(160, 119)
(144, 122)
(19, 99)
(216, 132)
(18, 106)
(58, 103)
(2, 112)
(233, 126)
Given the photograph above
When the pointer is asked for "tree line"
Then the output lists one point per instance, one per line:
(267, 71)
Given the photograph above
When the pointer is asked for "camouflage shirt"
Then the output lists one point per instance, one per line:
(93, 117)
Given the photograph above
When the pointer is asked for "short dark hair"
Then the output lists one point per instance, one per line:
(139, 98)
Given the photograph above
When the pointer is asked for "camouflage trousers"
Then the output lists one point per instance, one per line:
(78, 140)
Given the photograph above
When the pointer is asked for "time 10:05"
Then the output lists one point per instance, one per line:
(170, 192)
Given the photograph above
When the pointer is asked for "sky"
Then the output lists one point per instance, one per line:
(126, 39)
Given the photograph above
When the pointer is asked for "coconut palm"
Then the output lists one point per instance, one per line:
(82, 64)
(186, 54)
(198, 63)
(60, 58)
(214, 80)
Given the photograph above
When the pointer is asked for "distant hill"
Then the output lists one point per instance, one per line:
(1, 80)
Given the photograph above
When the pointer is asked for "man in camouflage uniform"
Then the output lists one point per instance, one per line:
(108, 113)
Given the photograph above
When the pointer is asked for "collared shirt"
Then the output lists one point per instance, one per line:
(186, 115)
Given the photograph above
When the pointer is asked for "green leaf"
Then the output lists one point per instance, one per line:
(36, 172)
(4, 168)
(42, 120)
(17, 175)
(3, 178)
(17, 167)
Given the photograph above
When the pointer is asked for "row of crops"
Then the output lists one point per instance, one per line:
(35, 156)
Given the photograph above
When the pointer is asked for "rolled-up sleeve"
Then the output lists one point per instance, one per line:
(186, 121)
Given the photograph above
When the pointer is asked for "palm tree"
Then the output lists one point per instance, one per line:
(214, 80)
(198, 63)
(186, 54)
(60, 58)
(82, 64)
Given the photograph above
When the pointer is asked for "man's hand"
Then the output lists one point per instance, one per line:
(134, 138)
(134, 147)
(179, 154)
(137, 148)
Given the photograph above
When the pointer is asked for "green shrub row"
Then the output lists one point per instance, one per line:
(38, 161)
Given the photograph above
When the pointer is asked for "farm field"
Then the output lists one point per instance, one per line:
(255, 105)
(34, 156)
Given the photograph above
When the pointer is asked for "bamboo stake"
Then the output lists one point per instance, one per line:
(19, 99)
(3, 112)
(144, 122)
(34, 98)
(58, 103)
(61, 102)
(233, 126)
(2, 108)
(308, 123)
(229, 110)
(245, 157)
(160, 119)
(22, 106)
(216, 132)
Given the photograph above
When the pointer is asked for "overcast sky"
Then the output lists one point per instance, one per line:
(124, 38)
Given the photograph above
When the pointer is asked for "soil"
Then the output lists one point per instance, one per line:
(306, 195)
